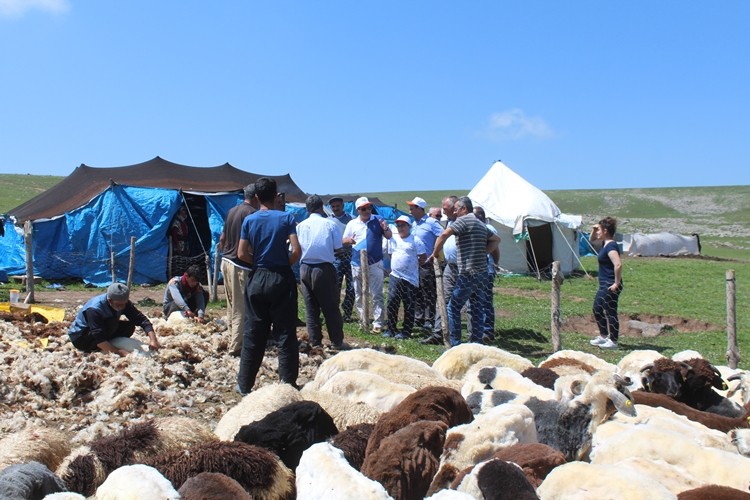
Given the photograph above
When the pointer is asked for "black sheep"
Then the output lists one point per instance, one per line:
(290, 430)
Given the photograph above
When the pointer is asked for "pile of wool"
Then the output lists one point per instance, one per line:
(90, 395)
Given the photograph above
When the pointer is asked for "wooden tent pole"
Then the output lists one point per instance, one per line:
(28, 231)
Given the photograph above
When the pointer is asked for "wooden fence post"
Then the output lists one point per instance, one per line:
(28, 232)
(442, 306)
(364, 268)
(131, 264)
(556, 322)
(733, 352)
(215, 288)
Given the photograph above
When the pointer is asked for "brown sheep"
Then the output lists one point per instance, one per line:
(212, 486)
(535, 459)
(353, 442)
(710, 420)
(431, 403)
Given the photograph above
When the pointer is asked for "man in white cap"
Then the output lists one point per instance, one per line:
(407, 253)
(426, 229)
(366, 233)
(98, 322)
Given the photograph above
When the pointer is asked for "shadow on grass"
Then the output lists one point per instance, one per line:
(521, 341)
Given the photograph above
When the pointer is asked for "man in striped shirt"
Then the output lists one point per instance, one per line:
(474, 241)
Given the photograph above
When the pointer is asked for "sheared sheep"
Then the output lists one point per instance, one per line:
(456, 361)
(290, 430)
(29, 481)
(567, 366)
(630, 365)
(431, 403)
(212, 486)
(136, 482)
(467, 445)
(258, 470)
(255, 406)
(407, 460)
(741, 439)
(88, 466)
(323, 472)
(585, 358)
(353, 442)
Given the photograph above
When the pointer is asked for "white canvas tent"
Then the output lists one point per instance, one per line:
(533, 232)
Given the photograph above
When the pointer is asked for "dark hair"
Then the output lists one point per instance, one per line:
(465, 201)
(609, 224)
(194, 271)
(479, 212)
(313, 203)
(249, 192)
(265, 189)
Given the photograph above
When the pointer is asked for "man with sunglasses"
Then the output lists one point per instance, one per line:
(366, 232)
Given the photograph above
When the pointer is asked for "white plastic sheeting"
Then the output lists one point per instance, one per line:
(660, 244)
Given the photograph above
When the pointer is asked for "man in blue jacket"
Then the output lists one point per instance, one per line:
(98, 322)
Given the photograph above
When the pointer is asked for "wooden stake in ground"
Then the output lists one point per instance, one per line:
(364, 268)
(442, 307)
(733, 352)
(28, 232)
(131, 265)
(556, 322)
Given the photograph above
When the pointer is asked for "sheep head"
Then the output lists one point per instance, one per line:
(665, 376)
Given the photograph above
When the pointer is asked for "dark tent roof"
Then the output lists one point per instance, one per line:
(86, 182)
(352, 197)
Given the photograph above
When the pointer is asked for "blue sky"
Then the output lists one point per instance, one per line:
(383, 95)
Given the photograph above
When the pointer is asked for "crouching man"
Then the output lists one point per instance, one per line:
(98, 326)
(185, 294)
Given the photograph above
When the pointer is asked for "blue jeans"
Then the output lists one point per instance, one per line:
(605, 312)
(468, 288)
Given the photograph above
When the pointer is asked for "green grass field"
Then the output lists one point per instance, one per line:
(684, 291)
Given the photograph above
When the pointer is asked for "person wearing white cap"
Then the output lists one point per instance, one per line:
(366, 232)
(407, 253)
(98, 322)
(426, 229)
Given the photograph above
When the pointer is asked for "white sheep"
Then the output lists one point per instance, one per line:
(481, 377)
(39, 444)
(569, 386)
(342, 410)
(708, 465)
(686, 355)
(254, 407)
(741, 439)
(456, 361)
(390, 366)
(370, 388)
(323, 472)
(468, 444)
(584, 481)
(136, 482)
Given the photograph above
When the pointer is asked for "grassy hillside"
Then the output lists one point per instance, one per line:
(19, 188)
(720, 215)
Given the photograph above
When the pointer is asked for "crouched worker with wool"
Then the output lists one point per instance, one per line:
(98, 322)
(185, 294)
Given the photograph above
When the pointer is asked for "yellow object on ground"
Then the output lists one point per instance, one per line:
(51, 313)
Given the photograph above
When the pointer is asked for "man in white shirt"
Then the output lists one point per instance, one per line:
(366, 232)
(320, 238)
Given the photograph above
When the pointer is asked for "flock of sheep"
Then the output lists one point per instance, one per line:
(478, 423)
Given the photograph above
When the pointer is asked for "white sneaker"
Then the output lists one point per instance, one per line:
(608, 344)
(598, 340)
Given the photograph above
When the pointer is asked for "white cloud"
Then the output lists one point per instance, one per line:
(17, 8)
(513, 124)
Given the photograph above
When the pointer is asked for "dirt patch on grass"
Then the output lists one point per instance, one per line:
(673, 324)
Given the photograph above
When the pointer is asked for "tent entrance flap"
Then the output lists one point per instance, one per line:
(539, 248)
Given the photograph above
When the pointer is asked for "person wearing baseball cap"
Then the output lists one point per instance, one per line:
(427, 229)
(98, 322)
(407, 253)
(366, 232)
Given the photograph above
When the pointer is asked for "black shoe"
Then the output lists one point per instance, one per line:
(343, 346)
(432, 340)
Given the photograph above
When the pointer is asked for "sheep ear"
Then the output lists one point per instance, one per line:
(623, 403)
(623, 380)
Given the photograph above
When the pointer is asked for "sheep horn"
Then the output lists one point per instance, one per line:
(736, 376)
(649, 366)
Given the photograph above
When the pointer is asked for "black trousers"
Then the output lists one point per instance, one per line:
(320, 291)
(270, 298)
(88, 343)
